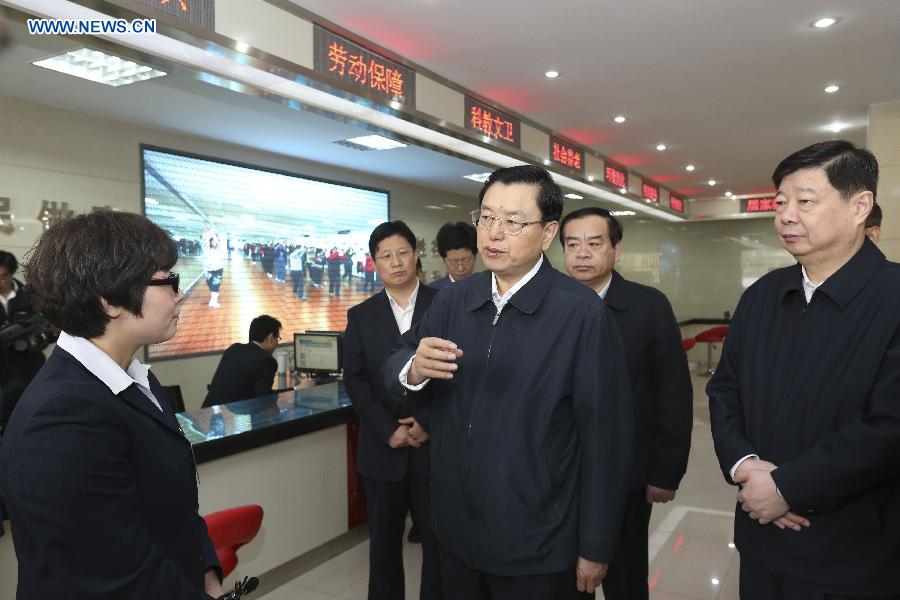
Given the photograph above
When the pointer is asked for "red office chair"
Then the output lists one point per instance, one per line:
(713, 335)
(230, 529)
(688, 343)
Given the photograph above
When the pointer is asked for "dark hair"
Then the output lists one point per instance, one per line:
(457, 236)
(262, 326)
(388, 229)
(849, 169)
(550, 198)
(101, 255)
(615, 227)
(8, 260)
(873, 220)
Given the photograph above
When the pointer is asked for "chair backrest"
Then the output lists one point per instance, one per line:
(230, 529)
(173, 395)
(688, 343)
(712, 335)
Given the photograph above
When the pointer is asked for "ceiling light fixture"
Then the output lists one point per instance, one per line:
(836, 127)
(571, 196)
(728, 194)
(619, 119)
(689, 168)
(711, 182)
(551, 74)
(99, 67)
(590, 178)
(377, 142)
(831, 89)
(623, 190)
(825, 22)
(622, 213)
(479, 177)
(661, 147)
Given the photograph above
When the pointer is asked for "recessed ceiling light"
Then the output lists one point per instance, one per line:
(590, 178)
(711, 182)
(622, 213)
(479, 177)
(714, 581)
(99, 67)
(377, 142)
(836, 127)
(831, 89)
(551, 74)
(689, 168)
(623, 190)
(619, 119)
(660, 147)
(574, 196)
(825, 22)
(729, 194)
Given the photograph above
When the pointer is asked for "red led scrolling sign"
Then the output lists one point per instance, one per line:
(491, 122)
(566, 154)
(616, 176)
(650, 192)
(366, 71)
(676, 203)
(198, 12)
(752, 205)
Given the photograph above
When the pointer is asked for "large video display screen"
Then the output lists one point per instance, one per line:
(253, 241)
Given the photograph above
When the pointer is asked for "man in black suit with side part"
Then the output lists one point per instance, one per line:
(393, 452)
(661, 391)
(247, 370)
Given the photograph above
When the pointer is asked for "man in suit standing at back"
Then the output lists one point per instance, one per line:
(457, 244)
(393, 452)
(247, 370)
(661, 391)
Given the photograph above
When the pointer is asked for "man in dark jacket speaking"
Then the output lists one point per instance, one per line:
(531, 414)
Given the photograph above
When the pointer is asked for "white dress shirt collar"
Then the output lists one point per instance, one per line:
(605, 289)
(105, 368)
(403, 316)
(809, 287)
(500, 301)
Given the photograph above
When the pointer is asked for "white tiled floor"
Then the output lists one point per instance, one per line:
(690, 556)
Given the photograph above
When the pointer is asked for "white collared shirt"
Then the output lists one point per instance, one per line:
(403, 316)
(5, 300)
(500, 301)
(602, 292)
(809, 288)
(105, 368)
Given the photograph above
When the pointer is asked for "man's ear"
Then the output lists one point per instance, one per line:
(862, 205)
(113, 312)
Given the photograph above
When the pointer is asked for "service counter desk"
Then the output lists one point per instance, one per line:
(289, 454)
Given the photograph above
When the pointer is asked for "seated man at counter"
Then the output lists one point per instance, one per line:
(247, 370)
(393, 453)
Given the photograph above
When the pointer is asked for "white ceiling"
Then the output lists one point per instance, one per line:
(731, 86)
(184, 104)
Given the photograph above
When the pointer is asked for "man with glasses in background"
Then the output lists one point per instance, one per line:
(393, 447)
(457, 244)
(247, 370)
(525, 377)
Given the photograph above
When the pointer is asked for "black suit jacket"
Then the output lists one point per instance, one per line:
(371, 334)
(101, 490)
(245, 371)
(661, 389)
(815, 389)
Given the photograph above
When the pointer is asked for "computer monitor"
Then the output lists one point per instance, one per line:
(318, 353)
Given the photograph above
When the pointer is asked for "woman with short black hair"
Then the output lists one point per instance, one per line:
(98, 479)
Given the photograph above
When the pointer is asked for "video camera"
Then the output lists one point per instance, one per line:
(31, 333)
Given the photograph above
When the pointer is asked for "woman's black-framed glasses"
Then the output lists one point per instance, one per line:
(172, 280)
